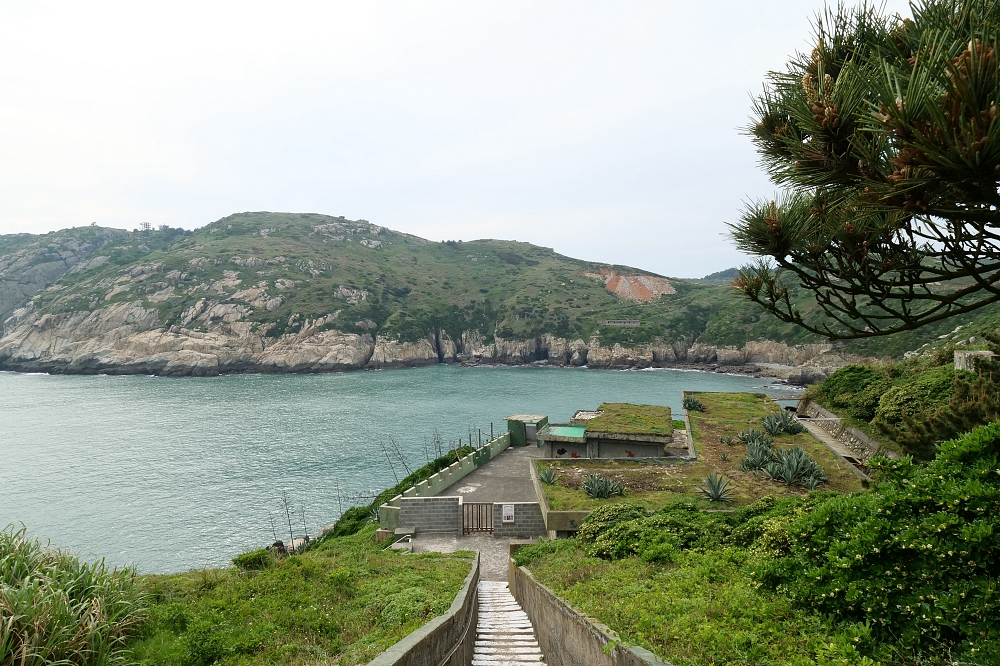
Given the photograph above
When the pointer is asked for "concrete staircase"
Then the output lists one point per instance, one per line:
(504, 635)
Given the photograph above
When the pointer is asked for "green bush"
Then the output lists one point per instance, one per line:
(693, 404)
(917, 556)
(256, 560)
(55, 609)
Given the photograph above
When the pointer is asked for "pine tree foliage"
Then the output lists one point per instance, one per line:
(886, 142)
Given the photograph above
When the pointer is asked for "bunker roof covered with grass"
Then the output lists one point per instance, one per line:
(625, 419)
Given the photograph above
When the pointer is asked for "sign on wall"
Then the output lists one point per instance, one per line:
(508, 513)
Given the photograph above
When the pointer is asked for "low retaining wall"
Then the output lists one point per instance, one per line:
(528, 520)
(388, 513)
(864, 446)
(454, 633)
(568, 638)
(431, 514)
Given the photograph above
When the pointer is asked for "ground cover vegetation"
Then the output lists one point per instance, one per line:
(56, 609)
(627, 419)
(905, 573)
(916, 403)
(726, 433)
(343, 601)
(299, 268)
(884, 139)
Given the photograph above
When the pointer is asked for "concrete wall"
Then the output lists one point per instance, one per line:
(388, 513)
(861, 444)
(966, 359)
(431, 514)
(528, 520)
(566, 637)
(454, 632)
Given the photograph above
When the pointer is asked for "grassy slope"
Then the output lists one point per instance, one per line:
(341, 602)
(701, 610)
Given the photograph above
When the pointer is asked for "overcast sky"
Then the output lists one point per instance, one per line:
(609, 131)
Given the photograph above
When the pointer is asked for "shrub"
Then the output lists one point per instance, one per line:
(693, 404)
(547, 476)
(917, 556)
(256, 560)
(602, 487)
(604, 517)
(57, 609)
(716, 489)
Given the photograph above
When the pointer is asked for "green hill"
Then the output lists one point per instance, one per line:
(280, 275)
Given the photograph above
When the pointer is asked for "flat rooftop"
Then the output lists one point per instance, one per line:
(622, 418)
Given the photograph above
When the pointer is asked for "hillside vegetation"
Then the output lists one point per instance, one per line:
(281, 273)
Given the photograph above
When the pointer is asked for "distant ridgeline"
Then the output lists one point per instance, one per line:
(281, 292)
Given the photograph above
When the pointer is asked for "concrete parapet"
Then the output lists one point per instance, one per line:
(447, 640)
(568, 638)
(437, 482)
(528, 520)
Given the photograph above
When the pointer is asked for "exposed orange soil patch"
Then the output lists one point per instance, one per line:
(634, 287)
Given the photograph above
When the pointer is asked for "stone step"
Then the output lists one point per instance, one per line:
(504, 635)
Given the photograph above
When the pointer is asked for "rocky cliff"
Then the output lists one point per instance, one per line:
(127, 338)
(279, 292)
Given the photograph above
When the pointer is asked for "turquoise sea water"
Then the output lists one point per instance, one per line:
(172, 473)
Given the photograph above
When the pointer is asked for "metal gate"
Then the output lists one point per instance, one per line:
(477, 517)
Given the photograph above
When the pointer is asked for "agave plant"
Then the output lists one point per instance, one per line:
(693, 404)
(754, 436)
(760, 454)
(727, 440)
(547, 476)
(716, 489)
(794, 467)
(602, 487)
(772, 425)
(779, 422)
(789, 423)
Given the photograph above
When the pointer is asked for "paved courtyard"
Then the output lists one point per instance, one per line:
(504, 479)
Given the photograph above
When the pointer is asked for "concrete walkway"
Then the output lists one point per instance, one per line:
(822, 435)
(494, 552)
(504, 479)
(504, 635)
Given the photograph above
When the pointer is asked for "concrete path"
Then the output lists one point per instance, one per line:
(494, 552)
(504, 479)
(504, 635)
(822, 435)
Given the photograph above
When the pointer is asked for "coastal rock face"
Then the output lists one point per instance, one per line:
(126, 338)
(395, 354)
(35, 267)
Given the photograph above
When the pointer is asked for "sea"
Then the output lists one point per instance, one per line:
(166, 474)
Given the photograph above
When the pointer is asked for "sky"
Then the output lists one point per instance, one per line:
(609, 131)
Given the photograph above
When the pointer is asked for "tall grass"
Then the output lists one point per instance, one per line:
(55, 609)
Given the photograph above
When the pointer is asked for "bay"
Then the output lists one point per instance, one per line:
(167, 474)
